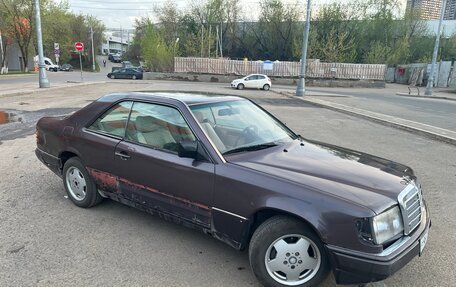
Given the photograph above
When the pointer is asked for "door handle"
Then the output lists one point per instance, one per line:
(123, 155)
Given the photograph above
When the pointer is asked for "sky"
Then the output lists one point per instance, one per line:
(122, 13)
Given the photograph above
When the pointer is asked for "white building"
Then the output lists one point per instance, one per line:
(117, 41)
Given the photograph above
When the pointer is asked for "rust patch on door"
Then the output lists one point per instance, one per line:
(172, 199)
(104, 180)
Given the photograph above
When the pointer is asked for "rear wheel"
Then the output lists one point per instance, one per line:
(133, 77)
(79, 186)
(285, 252)
(266, 87)
(240, 87)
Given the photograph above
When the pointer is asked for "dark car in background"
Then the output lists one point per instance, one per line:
(116, 59)
(66, 67)
(126, 73)
(227, 167)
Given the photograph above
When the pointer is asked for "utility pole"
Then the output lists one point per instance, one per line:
(93, 52)
(42, 78)
(301, 89)
(430, 83)
(121, 40)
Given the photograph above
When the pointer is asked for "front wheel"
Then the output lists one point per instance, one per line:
(113, 77)
(80, 187)
(285, 252)
(240, 87)
(133, 77)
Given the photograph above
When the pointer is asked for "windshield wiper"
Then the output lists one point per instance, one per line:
(250, 148)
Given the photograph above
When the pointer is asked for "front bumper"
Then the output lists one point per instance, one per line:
(352, 267)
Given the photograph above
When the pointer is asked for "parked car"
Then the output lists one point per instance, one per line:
(50, 66)
(229, 168)
(116, 59)
(254, 81)
(127, 64)
(126, 73)
(66, 67)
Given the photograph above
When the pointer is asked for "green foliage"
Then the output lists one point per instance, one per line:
(156, 53)
(58, 25)
(357, 31)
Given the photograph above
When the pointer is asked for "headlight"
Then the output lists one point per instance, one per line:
(387, 225)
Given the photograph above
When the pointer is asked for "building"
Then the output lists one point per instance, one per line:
(427, 9)
(117, 41)
(430, 9)
(450, 11)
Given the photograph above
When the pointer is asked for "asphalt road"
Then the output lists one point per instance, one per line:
(12, 82)
(435, 112)
(46, 240)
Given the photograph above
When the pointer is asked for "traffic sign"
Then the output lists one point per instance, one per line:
(79, 46)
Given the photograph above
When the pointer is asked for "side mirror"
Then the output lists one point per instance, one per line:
(188, 149)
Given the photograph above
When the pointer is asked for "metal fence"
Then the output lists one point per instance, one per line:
(315, 69)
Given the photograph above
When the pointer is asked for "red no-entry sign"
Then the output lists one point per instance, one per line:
(79, 46)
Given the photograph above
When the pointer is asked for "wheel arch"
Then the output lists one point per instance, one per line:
(64, 157)
(266, 213)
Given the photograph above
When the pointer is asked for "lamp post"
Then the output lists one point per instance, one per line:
(430, 83)
(93, 52)
(42, 78)
(174, 53)
(301, 89)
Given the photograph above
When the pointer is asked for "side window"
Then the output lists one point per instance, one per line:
(260, 77)
(47, 62)
(114, 121)
(158, 126)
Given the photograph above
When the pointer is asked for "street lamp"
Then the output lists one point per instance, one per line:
(174, 48)
(42, 78)
(430, 83)
(301, 88)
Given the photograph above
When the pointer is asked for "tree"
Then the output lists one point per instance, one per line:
(155, 51)
(276, 29)
(19, 16)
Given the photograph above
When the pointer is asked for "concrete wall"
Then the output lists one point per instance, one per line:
(13, 55)
(275, 81)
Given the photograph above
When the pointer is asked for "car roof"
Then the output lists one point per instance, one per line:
(184, 97)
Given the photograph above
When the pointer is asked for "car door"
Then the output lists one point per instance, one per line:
(250, 81)
(97, 142)
(261, 81)
(154, 176)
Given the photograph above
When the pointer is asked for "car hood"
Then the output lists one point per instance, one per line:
(364, 179)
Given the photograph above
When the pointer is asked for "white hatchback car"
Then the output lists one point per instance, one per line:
(255, 81)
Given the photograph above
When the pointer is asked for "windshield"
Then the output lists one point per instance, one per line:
(238, 126)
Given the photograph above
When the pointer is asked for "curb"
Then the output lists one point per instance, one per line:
(39, 90)
(379, 118)
(425, 97)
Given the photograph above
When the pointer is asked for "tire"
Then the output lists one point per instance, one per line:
(133, 77)
(113, 77)
(266, 87)
(280, 249)
(240, 87)
(80, 187)
(55, 70)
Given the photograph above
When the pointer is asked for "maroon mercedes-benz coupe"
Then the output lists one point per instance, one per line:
(226, 166)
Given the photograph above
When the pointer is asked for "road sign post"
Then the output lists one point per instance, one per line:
(57, 52)
(79, 46)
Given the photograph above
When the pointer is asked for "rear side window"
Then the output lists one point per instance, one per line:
(158, 126)
(114, 121)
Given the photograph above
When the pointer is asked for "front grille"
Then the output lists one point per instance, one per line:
(410, 202)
